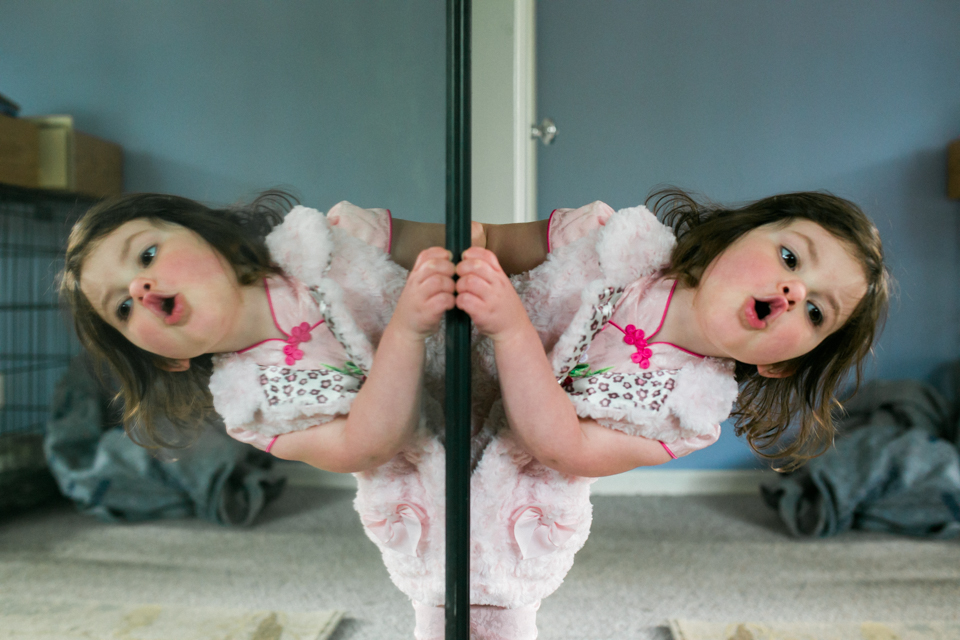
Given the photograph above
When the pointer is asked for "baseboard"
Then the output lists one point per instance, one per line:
(639, 482)
(303, 475)
(680, 482)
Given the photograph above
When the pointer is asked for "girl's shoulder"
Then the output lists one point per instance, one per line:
(575, 290)
(355, 275)
(307, 241)
(302, 245)
(618, 246)
(333, 301)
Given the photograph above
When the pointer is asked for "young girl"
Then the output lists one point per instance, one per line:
(172, 294)
(651, 332)
(190, 304)
(780, 297)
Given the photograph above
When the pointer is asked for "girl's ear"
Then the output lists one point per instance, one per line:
(781, 370)
(175, 365)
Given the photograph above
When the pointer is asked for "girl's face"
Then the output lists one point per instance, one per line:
(776, 293)
(163, 287)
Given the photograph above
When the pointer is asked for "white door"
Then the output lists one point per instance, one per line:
(503, 109)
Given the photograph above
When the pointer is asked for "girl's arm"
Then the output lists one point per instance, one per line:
(522, 246)
(536, 406)
(518, 247)
(408, 238)
(386, 411)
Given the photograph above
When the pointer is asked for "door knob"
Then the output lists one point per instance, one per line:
(546, 131)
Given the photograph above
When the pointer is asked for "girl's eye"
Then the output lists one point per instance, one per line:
(148, 255)
(788, 258)
(123, 310)
(816, 316)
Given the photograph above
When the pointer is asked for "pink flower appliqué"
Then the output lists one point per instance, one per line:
(636, 337)
(298, 334)
(301, 333)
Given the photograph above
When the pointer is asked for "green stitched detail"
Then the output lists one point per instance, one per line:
(349, 368)
(582, 370)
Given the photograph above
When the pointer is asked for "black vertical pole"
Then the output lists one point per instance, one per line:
(457, 405)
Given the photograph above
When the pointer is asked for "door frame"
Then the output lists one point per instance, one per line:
(503, 104)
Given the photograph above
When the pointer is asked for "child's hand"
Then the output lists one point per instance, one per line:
(427, 294)
(484, 292)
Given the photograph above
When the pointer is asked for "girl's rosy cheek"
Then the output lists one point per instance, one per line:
(189, 267)
(149, 337)
(751, 263)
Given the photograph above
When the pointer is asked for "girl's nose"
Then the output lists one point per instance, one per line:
(140, 287)
(794, 291)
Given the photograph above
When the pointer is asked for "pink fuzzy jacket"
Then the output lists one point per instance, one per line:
(354, 287)
(603, 276)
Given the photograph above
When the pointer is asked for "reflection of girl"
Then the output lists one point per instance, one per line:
(158, 284)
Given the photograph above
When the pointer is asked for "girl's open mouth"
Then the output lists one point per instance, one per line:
(760, 311)
(170, 308)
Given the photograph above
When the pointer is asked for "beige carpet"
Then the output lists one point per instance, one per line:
(695, 630)
(648, 560)
(78, 620)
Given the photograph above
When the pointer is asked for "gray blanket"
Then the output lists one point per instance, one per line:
(107, 475)
(895, 467)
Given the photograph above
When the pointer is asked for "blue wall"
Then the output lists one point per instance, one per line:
(743, 99)
(218, 100)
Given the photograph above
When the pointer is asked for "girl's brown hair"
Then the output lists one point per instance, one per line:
(150, 391)
(767, 406)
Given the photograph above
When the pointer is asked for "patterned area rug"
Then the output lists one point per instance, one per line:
(51, 620)
(695, 630)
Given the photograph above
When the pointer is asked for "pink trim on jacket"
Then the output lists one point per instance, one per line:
(272, 442)
(549, 223)
(273, 315)
(390, 233)
(667, 449)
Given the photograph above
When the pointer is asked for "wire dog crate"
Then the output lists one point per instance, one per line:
(36, 339)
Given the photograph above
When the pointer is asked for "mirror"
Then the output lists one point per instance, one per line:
(345, 101)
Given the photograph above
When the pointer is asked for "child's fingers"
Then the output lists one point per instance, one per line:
(435, 283)
(473, 284)
(469, 302)
(433, 308)
(428, 267)
(437, 295)
(480, 269)
(477, 256)
(485, 316)
(432, 253)
(484, 255)
(442, 301)
(434, 266)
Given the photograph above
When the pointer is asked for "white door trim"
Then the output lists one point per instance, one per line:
(525, 111)
(503, 86)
